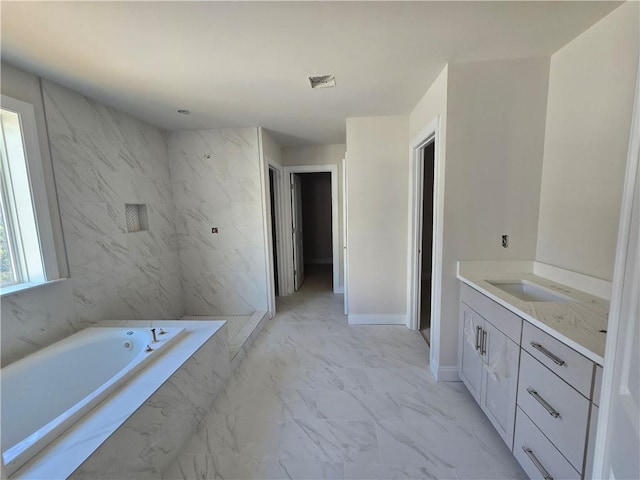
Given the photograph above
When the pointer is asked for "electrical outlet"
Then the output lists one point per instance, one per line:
(214, 229)
(505, 241)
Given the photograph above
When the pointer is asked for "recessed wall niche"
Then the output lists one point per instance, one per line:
(137, 219)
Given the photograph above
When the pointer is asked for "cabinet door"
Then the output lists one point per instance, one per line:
(469, 359)
(500, 381)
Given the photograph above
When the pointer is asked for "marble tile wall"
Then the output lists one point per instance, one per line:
(216, 183)
(33, 319)
(102, 159)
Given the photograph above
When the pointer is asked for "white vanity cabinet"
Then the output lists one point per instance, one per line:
(541, 395)
(554, 395)
(489, 358)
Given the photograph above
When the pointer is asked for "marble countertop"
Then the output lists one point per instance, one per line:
(576, 322)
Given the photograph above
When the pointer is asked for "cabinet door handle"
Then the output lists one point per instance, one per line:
(484, 341)
(554, 358)
(552, 411)
(536, 462)
(478, 330)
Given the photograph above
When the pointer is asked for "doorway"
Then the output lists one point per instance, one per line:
(424, 158)
(426, 260)
(315, 247)
(312, 229)
(274, 229)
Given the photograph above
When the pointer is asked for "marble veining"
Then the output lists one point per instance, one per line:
(215, 179)
(316, 397)
(140, 429)
(576, 322)
(102, 159)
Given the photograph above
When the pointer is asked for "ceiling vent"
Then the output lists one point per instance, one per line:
(323, 81)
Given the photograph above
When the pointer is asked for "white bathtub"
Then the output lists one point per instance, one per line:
(44, 394)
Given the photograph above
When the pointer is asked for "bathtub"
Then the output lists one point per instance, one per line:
(45, 393)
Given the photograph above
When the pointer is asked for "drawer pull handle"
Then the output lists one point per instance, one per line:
(536, 462)
(478, 330)
(557, 360)
(552, 411)
(484, 342)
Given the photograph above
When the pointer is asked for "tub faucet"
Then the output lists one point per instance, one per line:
(153, 332)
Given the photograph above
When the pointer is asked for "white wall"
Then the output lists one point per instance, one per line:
(322, 155)
(492, 129)
(591, 88)
(223, 273)
(431, 106)
(377, 190)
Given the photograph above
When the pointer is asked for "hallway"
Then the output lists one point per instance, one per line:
(317, 398)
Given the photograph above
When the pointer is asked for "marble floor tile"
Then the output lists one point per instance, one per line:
(355, 405)
(237, 435)
(376, 471)
(190, 466)
(432, 443)
(263, 403)
(329, 440)
(316, 397)
(447, 401)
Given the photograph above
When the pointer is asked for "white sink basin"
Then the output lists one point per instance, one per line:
(528, 292)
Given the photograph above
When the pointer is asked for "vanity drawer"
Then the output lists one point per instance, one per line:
(504, 320)
(564, 361)
(558, 410)
(541, 450)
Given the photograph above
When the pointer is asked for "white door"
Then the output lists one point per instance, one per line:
(618, 437)
(344, 234)
(622, 441)
(297, 231)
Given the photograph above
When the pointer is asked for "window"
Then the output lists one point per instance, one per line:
(27, 251)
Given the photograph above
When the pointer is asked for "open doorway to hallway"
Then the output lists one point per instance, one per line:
(312, 230)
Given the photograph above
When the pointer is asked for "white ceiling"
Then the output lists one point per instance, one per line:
(246, 63)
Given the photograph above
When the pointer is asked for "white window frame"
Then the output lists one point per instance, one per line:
(35, 243)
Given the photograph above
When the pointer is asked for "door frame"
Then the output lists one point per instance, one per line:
(431, 133)
(287, 240)
(267, 164)
(618, 324)
(278, 180)
(345, 242)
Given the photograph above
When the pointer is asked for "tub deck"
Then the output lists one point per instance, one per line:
(73, 448)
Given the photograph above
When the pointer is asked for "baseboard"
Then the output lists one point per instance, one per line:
(318, 261)
(448, 374)
(377, 319)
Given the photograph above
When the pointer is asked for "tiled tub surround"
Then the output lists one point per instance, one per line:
(74, 375)
(576, 322)
(215, 177)
(140, 428)
(102, 160)
(242, 331)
